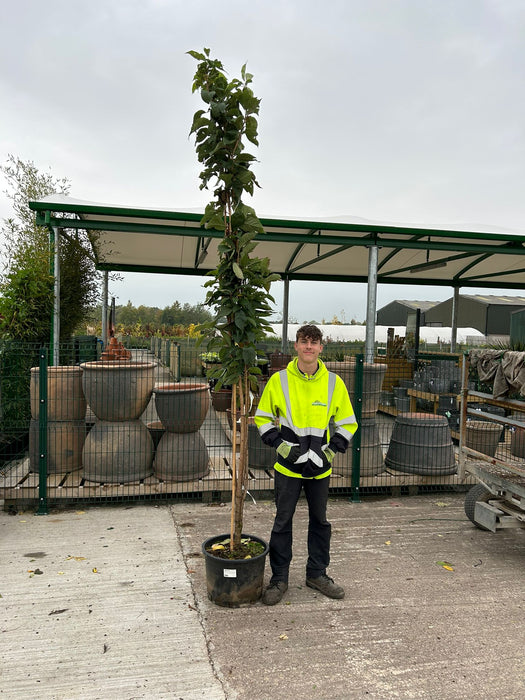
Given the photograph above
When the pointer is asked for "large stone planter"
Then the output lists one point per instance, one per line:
(119, 447)
(118, 390)
(181, 457)
(65, 395)
(117, 452)
(182, 408)
(65, 440)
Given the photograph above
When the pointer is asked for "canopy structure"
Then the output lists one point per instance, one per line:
(131, 239)
(172, 242)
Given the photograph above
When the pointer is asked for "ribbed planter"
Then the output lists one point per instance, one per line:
(181, 457)
(118, 390)
(372, 460)
(260, 456)
(373, 375)
(234, 582)
(483, 436)
(117, 452)
(421, 443)
(182, 408)
(65, 395)
(65, 440)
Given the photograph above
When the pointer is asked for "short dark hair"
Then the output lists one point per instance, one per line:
(309, 331)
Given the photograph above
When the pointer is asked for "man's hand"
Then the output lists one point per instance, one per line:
(289, 451)
(329, 455)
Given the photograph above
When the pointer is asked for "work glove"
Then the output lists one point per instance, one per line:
(328, 454)
(289, 451)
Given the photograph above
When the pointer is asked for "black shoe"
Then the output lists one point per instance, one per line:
(325, 585)
(274, 593)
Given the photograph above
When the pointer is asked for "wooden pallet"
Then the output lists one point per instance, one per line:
(20, 483)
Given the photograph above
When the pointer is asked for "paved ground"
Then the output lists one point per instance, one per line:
(120, 609)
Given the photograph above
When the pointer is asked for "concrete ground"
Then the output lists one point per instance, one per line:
(110, 602)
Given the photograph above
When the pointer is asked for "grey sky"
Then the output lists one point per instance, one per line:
(397, 110)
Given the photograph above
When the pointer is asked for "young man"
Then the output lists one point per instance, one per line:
(309, 402)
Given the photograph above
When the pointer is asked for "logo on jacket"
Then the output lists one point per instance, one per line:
(318, 403)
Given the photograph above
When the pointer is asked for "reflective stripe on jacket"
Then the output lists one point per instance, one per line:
(312, 411)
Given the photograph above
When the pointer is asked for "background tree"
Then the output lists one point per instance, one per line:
(26, 286)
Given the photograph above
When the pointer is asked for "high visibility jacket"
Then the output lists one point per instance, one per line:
(314, 412)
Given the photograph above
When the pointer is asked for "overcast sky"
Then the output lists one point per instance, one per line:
(397, 110)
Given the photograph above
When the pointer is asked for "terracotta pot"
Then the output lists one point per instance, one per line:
(221, 400)
(119, 390)
(65, 395)
(182, 408)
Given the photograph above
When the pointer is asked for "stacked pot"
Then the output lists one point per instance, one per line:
(181, 454)
(372, 461)
(66, 427)
(119, 447)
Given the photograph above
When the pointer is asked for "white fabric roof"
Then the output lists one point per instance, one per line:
(337, 333)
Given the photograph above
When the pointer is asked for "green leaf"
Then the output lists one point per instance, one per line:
(237, 270)
(251, 130)
(197, 55)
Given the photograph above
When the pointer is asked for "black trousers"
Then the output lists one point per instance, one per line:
(287, 492)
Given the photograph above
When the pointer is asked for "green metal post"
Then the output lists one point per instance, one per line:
(356, 442)
(52, 273)
(42, 433)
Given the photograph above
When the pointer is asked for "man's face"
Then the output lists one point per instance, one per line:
(308, 350)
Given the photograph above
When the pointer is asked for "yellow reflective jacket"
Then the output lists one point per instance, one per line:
(314, 412)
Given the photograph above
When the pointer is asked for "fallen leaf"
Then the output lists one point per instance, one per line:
(58, 612)
(94, 570)
(446, 565)
(76, 558)
(441, 504)
(388, 542)
(80, 512)
(61, 573)
(283, 636)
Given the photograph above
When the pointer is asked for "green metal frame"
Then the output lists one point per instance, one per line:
(455, 244)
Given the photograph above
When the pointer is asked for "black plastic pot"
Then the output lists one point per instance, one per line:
(234, 582)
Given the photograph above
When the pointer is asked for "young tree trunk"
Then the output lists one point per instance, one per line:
(240, 461)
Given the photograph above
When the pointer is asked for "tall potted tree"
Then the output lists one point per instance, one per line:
(238, 293)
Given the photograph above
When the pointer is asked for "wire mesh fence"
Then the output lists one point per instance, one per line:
(151, 424)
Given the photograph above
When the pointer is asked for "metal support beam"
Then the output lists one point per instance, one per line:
(286, 300)
(105, 310)
(371, 302)
(454, 321)
(54, 241)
